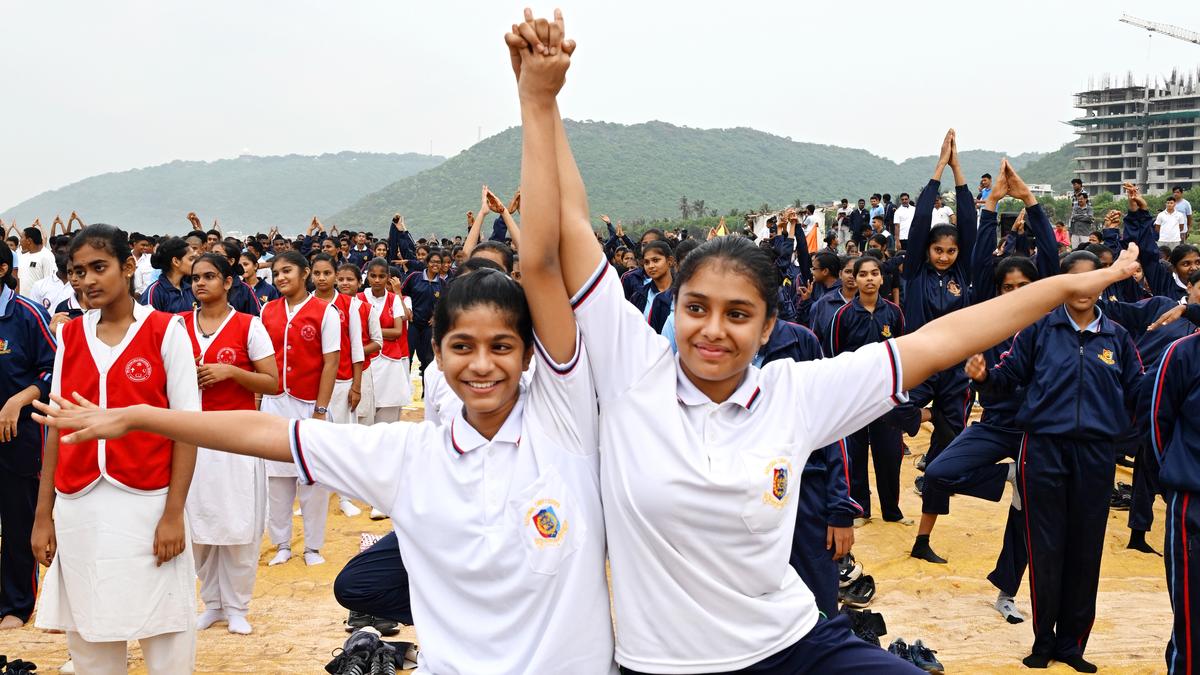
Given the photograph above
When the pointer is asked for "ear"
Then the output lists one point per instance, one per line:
(767, 329)
(129, 266)
(528, 358)
(437, 355)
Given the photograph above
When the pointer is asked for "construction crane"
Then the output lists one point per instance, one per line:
(1170, 31)
(1164, 28)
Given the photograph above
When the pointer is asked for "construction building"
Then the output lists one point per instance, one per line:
(1116, 122)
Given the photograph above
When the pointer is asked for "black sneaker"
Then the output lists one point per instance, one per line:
(386, 627)
(919, 485)
(921, 463)
(900, 648)
(923, 658)
(358, 620)
(865, 624)
(849, 570)
(1120, 500)
(860, 593)
(356, 655)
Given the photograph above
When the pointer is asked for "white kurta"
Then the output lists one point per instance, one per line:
(104, 582)
(227, 501)
(391, 379)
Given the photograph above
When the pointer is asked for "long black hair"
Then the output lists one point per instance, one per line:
(167, 251)
(6, 258)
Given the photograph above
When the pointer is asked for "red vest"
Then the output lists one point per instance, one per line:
(139, 460)
(345, 359)
(393, 349)
(298, 353)
(229, 347)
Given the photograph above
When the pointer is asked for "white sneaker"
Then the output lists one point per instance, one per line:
(312, 557)
(1012, 478)
(1007, 606)
(348, 508)
(376, 514)
(283, 555)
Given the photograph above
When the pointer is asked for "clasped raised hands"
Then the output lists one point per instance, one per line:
(540, 55)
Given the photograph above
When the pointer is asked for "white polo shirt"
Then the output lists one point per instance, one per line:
(503, 540)
(903, 219)
(940, 217)
(700, 498)
(442, 405)
(1169, 225)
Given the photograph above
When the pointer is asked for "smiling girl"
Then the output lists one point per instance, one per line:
(110, 518)
(228, 501)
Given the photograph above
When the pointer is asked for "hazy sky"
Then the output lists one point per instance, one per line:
(90, 87)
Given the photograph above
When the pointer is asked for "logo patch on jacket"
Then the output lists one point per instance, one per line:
(887, 331)
(4, 348)
(138, 369)
(779, 472)
(954, 288)
(549, 527)
(1107, 357)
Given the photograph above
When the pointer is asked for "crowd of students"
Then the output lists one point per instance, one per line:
(194, 388)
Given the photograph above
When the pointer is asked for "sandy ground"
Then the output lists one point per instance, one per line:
(297, 623)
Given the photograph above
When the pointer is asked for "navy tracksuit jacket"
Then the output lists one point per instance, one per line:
(824, 498)
(1167, 408)
(1139, 228)
(929, 294)
(1080, 387)
(26, 358)
(424, 294)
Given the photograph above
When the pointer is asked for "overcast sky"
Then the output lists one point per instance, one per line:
(90, 87)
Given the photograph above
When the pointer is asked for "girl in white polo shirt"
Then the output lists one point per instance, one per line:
(497, 513)
(700, 514)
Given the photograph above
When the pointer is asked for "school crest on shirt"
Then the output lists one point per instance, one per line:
(954, 288)
(779, 474)
(138, 369)
(226, 355)
(308, 333)
(887, 331)
(4, 348)
(1106, 356)
(548, 527)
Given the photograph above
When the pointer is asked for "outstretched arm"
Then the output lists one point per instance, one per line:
(958, 335)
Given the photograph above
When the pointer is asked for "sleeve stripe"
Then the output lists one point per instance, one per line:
(846, 468)
(590, 285)
(1156, 399)
(560, 368)
(298, 454)
(894, 362)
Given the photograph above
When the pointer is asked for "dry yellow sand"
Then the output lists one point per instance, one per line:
(297, 623)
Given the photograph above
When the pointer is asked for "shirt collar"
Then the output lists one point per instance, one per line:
(1093, 327)
(6, 296)
(747, 393)
(464, 438)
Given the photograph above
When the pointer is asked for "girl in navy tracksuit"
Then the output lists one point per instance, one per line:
(1168, 404)
(826, 512)
(936, 281)
(263, 290)
(654, 297)
(1080, 371)
(1163, 279)
(170, 292)
(424, 288)
(969, 464)
(867, 319)
(26, 362)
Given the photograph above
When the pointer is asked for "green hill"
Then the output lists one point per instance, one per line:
(1055, 168)
(247, 193)
(642, 170)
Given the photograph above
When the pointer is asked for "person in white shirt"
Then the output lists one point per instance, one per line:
(1171, 224)
(497, 514)
(942, 214)
(144, 272)
(37, 260)
(52, 289)
(904, 218)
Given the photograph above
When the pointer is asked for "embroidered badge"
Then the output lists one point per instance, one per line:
(226, 355)
(544, 518)
(308, 333)
(1107, 357)
(4, 348)
(779, 472)
(138, 369)
(887, 331)
(954, 288)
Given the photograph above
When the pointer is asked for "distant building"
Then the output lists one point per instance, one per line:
(1111, 148)
(1041, 189)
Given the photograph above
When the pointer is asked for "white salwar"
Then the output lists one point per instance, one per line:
(283, 488)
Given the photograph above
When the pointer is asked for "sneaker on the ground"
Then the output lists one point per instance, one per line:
(862, 520)
(1120, 500)
(860, 593)
(865, 624)
(376, 514)
(358, 620)
(923, 658)
(900, 648)
(849, 570)
(386, 627)
(348, 508)
(904, 449)
(919, 485)
(356, 654)
(921, 463)
(1007, 606)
